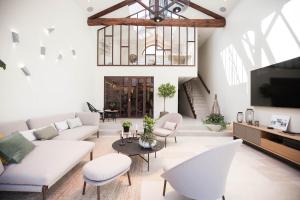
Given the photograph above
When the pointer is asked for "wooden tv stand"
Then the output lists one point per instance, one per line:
(274, 141)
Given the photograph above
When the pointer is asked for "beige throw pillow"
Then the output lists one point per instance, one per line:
(46, 133)
(170, 126)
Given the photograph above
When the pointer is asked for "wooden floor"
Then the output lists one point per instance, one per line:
(253, 175)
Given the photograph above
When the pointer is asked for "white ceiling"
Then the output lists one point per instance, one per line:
(203, 33)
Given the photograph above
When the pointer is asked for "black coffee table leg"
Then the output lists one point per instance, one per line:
(148, 162)
(155, 154)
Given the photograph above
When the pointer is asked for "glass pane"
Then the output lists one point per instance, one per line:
(150, 59)
(124, 34)
(141, 45)
(167, 57)
(124, 56)
(191, 34)
(108, 51)
(116, 51)
(100, 47)
(191, 53)
(133, 45)
(183, 46)
(175, 45)
(167, 45)
(108, 30)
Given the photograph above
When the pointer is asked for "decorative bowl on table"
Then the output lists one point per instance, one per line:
(147, 145)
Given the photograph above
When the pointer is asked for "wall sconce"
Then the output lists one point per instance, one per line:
(49, 30)
(43, 51)
(73, 52)
(25, 70)
(59, 57)
(15, 37)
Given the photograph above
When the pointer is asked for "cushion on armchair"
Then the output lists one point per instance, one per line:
(170, 126)
(162, 132)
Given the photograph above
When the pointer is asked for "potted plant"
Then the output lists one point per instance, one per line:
(166, 90)
(215, 122)
(147, 139)
(126, 126)
(2, 65)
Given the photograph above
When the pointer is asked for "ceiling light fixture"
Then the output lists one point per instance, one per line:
(160, 9)
(176, 9)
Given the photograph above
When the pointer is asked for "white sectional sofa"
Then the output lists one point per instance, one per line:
(50, 160)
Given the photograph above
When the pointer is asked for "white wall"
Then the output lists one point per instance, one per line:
(54, 86)
(258, 33)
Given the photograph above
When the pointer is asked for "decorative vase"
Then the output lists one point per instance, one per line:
(146, 145)
(214, 127)
(126, 129)
(249, 116)
(240, 117)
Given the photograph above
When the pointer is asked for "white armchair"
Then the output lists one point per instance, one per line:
(203, 176)
(161, 130)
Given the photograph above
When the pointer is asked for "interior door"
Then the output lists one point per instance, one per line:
(132, 95)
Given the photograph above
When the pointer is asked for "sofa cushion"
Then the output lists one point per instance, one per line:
(170, 126)
(15, 147)
(106, 167)
(89, 118)
(1, 168)
(29, 135)
(47, 163)
(61, 126)
(73, 123)
(46, 133)
(45, 121)
(78, 133)
(11, 127)
(162, 132)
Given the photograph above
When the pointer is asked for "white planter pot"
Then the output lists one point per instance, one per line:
(146, 144)
(214, 127)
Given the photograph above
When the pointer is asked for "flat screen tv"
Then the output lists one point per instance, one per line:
(277, 85)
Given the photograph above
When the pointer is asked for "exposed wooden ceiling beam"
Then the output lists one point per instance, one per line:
(112, 8)
(166, 22)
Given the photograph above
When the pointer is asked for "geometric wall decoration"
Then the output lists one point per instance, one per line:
(26, 71)
(42, 51)
(15, 37)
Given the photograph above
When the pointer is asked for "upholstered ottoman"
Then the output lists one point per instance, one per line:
(105, 169)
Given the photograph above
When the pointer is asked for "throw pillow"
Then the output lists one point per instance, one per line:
(61, 126)
(73, 123)
(1, 168)
(15, 147)
(2, 159)
(46, 133)
(28, 134)
(170, 126)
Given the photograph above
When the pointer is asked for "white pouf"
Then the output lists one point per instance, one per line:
(105, 169)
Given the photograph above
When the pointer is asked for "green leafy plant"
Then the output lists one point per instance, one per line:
(126, 124)
(216, 119)
(166, 90)
(2, 65)
(148, 135)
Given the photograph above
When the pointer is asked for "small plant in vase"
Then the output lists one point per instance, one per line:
(215, 122)
(126, 126)
(147, 139)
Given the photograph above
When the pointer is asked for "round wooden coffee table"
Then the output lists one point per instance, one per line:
(131, 147)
